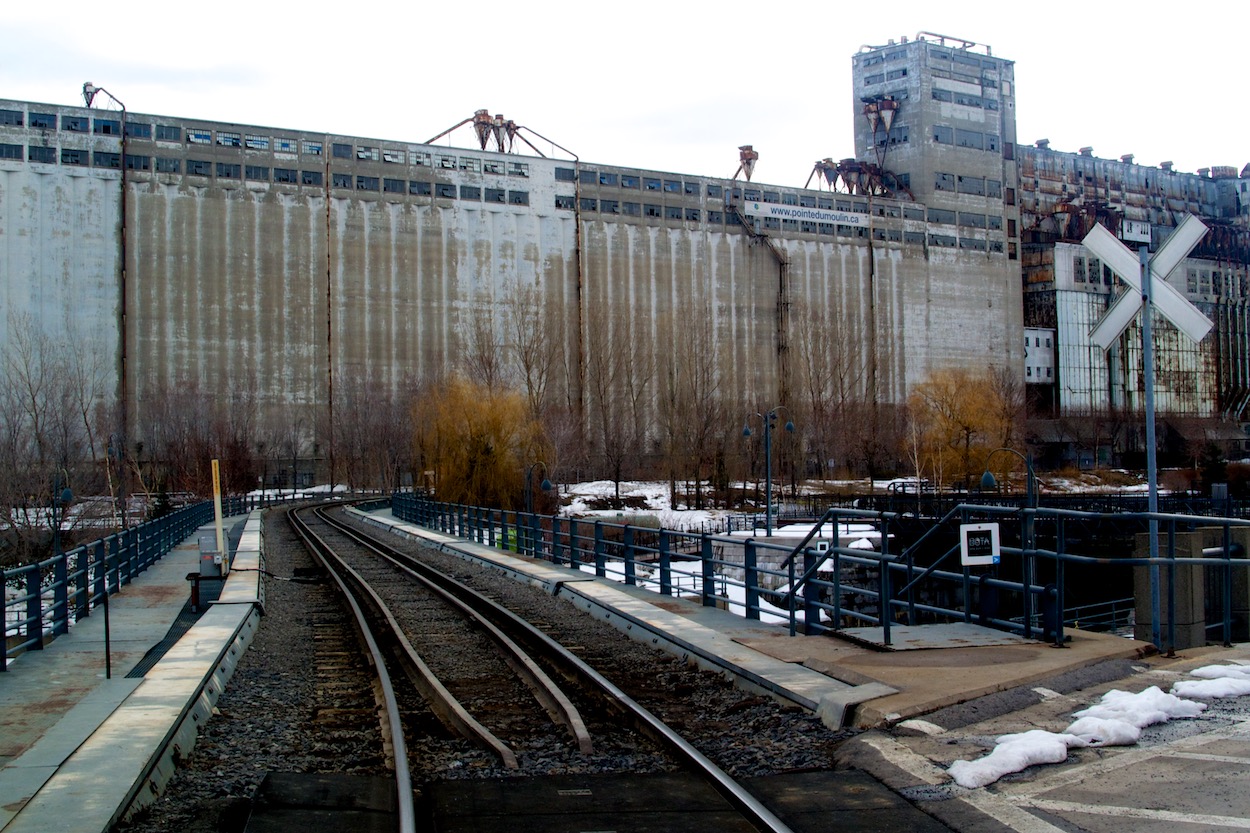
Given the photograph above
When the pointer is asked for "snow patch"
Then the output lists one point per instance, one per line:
(1116, 720)
(1013, 753)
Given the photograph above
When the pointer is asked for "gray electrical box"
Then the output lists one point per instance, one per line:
(210, 558)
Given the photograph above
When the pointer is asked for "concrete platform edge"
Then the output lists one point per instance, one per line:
(155, 723)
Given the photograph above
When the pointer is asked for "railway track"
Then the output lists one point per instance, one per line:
(490, 676)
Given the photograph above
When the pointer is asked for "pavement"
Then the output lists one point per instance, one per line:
(78, 746)
(1184, 776)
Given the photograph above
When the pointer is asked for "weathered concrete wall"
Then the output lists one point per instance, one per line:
(241, 283)
(58, 257)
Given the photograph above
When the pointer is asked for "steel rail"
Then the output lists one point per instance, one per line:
(444, 704)
(643, 721)
(390, 705)
(548, 693)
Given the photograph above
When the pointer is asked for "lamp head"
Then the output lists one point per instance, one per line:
(790, 427)
(545, 485)
(746, 430)
(988, 482)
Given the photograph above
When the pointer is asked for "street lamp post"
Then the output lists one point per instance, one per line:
(1027, 543)
(768, 419)
(529, 484)
(61, 496)
(89, 93)
(988, 482)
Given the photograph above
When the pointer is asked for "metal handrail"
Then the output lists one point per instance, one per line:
(602, 543)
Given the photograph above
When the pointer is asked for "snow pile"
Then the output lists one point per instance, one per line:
(1105, 731)
(1216, 681)
(1116, 720)
(1013, 753)
(1143, 709)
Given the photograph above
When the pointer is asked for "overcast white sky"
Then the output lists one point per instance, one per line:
(669, 86)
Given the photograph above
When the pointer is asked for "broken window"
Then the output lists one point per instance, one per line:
(970, 139)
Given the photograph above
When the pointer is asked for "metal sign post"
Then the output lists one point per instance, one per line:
(1139, 273)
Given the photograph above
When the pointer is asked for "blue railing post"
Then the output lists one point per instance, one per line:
(811, 594)
(112, 580)
(1228, 588)
(130, 556)
(600, 567)
(82, 583)
(886, 593)
(837, 583)
(556, 547)
(706, 561)
(4, 636)
(60, 595)
(34, 608)
(1026, 581)
(627, 540)
(575, 558)
(100, 565)
(751, 578)
(666, 563)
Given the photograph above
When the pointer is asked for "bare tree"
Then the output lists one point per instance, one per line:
(50, 391)
(373, 434)
(829, 366)
(619, 372)
(691, 410)
(483, 357)
(535, 346)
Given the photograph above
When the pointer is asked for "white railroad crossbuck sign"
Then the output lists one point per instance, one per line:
(1174, 306)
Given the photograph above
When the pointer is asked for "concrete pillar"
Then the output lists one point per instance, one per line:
(1193, 578)
(1190, 609)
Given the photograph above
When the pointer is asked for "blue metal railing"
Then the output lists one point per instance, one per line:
(845, 586)
(51, 594)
